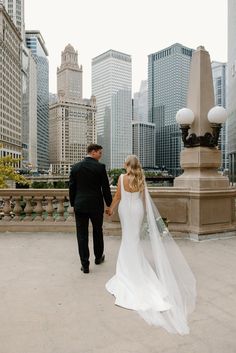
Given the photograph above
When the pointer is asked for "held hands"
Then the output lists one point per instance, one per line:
(109, 211)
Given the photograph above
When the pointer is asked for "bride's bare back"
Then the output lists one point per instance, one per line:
(126, 183)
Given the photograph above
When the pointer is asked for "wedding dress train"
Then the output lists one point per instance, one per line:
(152, 276)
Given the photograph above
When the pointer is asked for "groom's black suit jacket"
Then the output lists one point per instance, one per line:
(88, 186)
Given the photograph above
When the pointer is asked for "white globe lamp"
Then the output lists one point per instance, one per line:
(217, 115)
(185, 116)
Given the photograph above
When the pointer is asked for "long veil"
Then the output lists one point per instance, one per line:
(171, 269)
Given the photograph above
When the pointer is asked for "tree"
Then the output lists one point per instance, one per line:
(8, 172)
(114, 175)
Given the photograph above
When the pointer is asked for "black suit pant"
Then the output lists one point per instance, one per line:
(82, 225)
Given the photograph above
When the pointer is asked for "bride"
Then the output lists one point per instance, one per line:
(152, 276)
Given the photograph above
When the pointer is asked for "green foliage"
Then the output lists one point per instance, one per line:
(61, 184)
(114, 175)
(152, 174)
(45, 185)
(42, 185)
(8, 172)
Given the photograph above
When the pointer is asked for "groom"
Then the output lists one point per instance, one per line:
(88, 186)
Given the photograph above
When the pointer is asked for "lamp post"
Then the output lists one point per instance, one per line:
(200, 123)
(216, 117)
(210, 204)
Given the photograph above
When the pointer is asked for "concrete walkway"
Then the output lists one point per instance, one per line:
(48, 306)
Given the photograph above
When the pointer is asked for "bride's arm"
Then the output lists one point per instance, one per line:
(116, 198)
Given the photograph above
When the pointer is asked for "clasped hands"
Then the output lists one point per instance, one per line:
(109, 211)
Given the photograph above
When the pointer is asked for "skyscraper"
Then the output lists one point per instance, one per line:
(69, 76)
(10, 83)
(112, 87)
(36, 44)
(231, 124)
(72, 124)
(219, 75)
(29, 110)
(168, 77)
(15, 9)
(140, 104)
(144, 142)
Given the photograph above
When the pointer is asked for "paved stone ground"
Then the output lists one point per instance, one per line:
(48, 306)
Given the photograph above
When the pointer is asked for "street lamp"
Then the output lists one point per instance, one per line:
(185, 118)
(216, 116)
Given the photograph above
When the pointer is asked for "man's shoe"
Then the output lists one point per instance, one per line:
(99, 261)
(85, 269)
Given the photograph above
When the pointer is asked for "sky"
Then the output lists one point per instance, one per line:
(135, 27)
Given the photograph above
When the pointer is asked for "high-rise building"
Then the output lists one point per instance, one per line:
(112, 87)
(144, 142)
(53, 98)
(72, 128)
(140, 104)
(36, 44)
(15, 9)
(29, 110)
(219, 75)
(10, 91)
(231, 92)
(72, 124)
(168, 77)
(69, 76)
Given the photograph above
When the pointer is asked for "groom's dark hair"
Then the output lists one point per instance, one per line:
(93, 147)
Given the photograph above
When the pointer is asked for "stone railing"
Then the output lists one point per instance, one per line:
(35, 210)
(49, 210)
(41, 210)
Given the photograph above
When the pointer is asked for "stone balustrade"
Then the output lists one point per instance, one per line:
(49, 210)
(35, 210)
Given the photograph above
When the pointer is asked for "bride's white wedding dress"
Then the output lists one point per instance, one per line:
(152, 276)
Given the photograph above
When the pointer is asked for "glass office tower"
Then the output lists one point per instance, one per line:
(168, 78)
(36, 44)
(219, 75)
(112, 87)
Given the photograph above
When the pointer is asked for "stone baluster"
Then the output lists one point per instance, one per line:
(7, 209)
(49, 208)
(38, 208)
(28, 208)
(60, 208)
(17, 208)
(71, 214)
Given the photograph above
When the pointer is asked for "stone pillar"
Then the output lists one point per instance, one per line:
(209, 210)
(200, 164)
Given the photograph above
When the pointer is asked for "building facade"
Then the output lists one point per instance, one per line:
(29, 111)
(168, 78)
(36, 44)
(219, 75)
(10, 87)
(15, 9)
(72, 120)
(53, 98)
(231, 92)
(72, 127)
(143, 138)
(112, 87)
(140, 103)
(69, 76)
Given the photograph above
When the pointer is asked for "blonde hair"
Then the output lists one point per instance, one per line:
(135, 173)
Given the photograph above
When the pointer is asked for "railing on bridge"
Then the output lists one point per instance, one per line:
(35, 209)
(49, 210)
